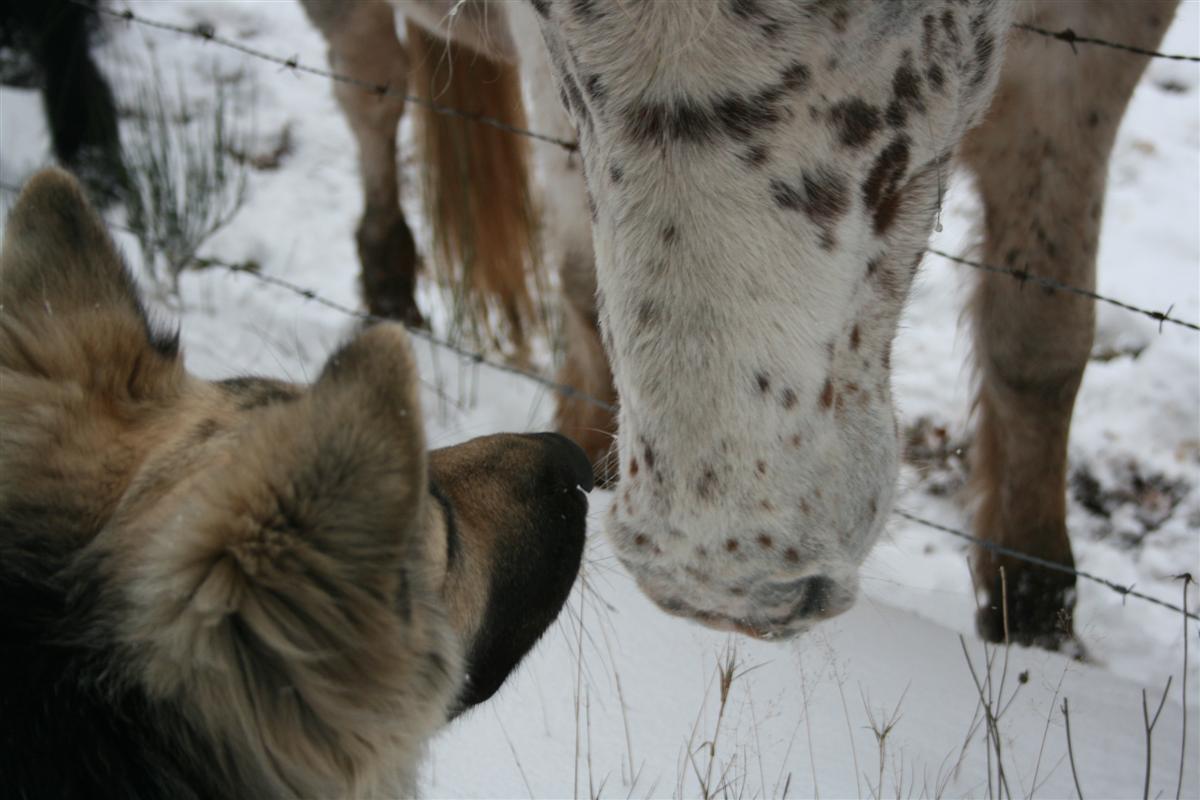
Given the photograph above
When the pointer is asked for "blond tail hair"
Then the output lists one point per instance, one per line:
(476, 188)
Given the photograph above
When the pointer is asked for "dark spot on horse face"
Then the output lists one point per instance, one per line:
(659, 123)
(756, 155)
(906, 84)
(881, 189)
(791, 556)
(731, 545)
(669, 233)
(788, 399)
(937, 76)
(763, 381)
(647, 314)
(785, 195)
(950, 26)
(827, 394)
(760, 467)
(641, 540)
(855, 338)
(633, 466)
(985, 46)
(648, 456)
(765, 541)
(707, 484)
(826, 196)
(856, 121)
(906, 94)
(615, 173)
(928, 34)
(744, 116)
(822, 195)
(795, 77)
(701, 551)
(797, 440)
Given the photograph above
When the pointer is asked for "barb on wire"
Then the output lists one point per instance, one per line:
(1072, 38)
(1124, 591)
(207, 33)
(1025, 275)
(565, 390)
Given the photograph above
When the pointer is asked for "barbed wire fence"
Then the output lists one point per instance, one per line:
(207, 33)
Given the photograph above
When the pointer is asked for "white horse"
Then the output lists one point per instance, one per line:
(761, 178)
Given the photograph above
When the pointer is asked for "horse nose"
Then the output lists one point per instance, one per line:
(566, 458)
(819, 598)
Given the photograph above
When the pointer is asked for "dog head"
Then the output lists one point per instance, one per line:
(244, 586)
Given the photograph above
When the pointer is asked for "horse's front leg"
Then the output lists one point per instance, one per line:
(1041, 160)
(363, 45)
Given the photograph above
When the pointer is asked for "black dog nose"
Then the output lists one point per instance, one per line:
(567, 456)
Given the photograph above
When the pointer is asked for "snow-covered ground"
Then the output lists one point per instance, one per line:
(620, 700)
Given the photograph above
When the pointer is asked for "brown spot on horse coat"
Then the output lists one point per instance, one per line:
(827, 394)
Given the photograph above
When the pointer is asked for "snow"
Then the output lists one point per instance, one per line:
(621, 700)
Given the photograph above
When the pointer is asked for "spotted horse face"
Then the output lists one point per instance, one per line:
(763, 176)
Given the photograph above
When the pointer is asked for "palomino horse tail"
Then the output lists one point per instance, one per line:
(477, 195)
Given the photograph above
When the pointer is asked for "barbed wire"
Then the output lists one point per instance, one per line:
(1124, 591)
(566, 390)
(1024, 275)
(207, 33)
(1072, 38)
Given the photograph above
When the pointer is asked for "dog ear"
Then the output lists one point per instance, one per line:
(287, 602)
(70, 308)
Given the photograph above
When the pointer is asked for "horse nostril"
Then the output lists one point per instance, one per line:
(815, 596)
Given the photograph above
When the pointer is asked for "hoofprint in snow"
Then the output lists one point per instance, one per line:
(621, 700)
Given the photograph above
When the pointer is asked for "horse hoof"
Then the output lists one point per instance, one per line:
(1040, 606)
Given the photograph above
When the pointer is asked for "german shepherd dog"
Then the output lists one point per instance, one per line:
(243, 588)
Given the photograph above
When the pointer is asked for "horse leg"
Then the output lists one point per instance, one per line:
(1041, 160)
(567, 231)
(363, 45)
(79, 103)
(585, 367)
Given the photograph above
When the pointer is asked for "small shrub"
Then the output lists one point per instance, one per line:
(185, 182)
